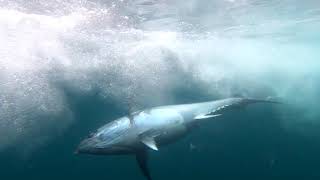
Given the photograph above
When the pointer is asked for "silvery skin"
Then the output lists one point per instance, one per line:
(155, 127)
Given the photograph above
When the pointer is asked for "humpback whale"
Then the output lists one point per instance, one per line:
(155, 127)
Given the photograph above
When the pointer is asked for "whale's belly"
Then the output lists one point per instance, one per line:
(164, 125)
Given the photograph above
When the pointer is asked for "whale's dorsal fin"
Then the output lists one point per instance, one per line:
(150, 142)
(142, 159)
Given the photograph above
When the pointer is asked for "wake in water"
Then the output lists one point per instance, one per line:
(150, 50)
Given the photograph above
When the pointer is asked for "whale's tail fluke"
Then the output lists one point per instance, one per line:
(247, 101)
(222, 106)
(239, 103)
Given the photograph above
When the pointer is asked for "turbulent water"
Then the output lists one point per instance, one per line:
(69, 66)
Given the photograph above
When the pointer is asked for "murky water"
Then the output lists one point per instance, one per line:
(69, 66)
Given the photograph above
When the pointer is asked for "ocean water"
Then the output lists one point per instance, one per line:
(69, 66)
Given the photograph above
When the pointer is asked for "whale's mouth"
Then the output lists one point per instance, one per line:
(106, 151)
(84, 146)
(88, 146)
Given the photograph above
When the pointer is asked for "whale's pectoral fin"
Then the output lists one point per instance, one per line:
(150, 142)
(142, 159)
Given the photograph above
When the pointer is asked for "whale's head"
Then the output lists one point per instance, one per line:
(113, 138)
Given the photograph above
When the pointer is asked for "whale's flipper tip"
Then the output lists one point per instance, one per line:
(150, 142)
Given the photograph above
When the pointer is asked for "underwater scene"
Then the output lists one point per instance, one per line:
(160, 89)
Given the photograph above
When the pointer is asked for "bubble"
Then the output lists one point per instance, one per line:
(148, 51)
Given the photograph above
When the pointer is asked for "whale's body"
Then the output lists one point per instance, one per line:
(155, 127)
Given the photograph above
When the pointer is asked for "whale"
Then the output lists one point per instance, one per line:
(153, 128)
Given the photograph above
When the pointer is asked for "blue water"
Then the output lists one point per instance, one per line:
(69, 66)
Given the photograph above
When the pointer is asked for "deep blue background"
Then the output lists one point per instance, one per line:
(244, 144)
